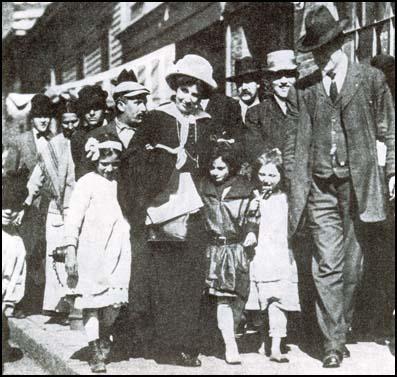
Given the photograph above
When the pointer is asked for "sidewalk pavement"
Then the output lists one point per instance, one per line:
(54, 347)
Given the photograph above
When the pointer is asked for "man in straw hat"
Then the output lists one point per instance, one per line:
(266, 122)
(335, 118)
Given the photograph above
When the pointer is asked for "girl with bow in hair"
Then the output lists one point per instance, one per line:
(98, 251)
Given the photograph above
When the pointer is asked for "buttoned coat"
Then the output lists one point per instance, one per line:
(367, 113)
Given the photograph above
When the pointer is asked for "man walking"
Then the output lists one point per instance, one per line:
(336, 116)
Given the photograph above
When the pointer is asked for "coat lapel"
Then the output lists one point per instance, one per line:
(350, 86)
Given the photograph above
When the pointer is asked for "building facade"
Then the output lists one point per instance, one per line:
(77, 43)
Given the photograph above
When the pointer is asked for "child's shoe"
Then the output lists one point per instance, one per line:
(96, 362)
(232, 355)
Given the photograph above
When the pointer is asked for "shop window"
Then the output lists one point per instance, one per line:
(371, 29)
(133, 11)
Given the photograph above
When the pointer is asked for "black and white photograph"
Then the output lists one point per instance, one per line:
(198, 188)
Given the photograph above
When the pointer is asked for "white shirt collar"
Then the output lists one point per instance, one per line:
(340, 74)
(244, 107)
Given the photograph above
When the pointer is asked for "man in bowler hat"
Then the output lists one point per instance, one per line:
(32, 217)
(336, 116)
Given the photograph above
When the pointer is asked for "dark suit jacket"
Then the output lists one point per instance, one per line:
(265, 128)
(367, 116)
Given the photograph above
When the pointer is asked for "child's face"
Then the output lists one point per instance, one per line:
(108, 167)
(219, 171)
(8, 216)
(269, 176)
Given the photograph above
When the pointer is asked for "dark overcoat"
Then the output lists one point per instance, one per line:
(367, 116)
(265, 128)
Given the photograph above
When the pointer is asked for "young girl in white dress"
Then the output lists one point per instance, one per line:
(99, 251)
(273, 269)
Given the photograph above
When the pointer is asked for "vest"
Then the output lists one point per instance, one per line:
(330, 145)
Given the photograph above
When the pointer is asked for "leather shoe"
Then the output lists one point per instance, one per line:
(332, 359)
(345, 352)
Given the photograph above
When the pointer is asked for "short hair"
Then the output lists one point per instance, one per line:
(108, 152)
(229, 156)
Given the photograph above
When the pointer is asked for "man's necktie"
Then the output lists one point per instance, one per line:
(333, 90)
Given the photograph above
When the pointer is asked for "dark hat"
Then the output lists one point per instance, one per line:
(246, 66)
(41, 106)
(128, 86)
(321, 28)
(67, 106)
(92, 97)
(386, 63)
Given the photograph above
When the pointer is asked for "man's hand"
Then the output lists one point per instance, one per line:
(6, 217)
(392, 187)
(250, 240)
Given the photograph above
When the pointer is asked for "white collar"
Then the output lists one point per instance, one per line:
(341, 69)
(121, 125)
(245, 106)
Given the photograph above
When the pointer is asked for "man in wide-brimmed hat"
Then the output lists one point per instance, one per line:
(335, 117)
(266, 122)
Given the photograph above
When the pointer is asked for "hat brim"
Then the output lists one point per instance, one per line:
(210, 85)
(278, 69)
(255, 74)
(135, 93)
(304, 45)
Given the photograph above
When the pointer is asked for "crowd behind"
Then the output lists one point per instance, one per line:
(151, 223)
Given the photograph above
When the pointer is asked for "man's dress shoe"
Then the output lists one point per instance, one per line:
(332, 359)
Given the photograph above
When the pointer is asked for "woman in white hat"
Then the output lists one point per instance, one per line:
(167, 156)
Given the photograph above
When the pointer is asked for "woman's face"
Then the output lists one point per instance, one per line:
(269, 176)
(69, 123)
(219, 171)
(187, 98)
(108, 167)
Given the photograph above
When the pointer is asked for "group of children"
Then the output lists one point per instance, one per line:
(246, 221)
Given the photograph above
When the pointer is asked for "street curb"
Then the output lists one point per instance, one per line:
(37, 351)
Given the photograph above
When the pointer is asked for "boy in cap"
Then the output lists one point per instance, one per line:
(335, 116)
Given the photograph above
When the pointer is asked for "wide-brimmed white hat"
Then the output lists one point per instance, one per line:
(192, 66)
(281, 60)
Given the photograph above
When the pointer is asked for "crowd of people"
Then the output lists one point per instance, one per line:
(143, 221)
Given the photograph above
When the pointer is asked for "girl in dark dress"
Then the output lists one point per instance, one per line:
(232, 229)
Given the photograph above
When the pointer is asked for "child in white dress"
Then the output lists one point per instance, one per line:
(98, 255)
(273, 269)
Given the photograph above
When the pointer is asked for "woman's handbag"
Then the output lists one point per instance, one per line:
(168, 216)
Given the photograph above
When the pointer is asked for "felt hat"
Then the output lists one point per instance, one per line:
(92, 97)
(321, 28)
(67, 106)
(41, 106)
(281, 60)
(127, 85)
(193, 66)
(246, 66)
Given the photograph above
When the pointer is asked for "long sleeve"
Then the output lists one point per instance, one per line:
(79, 203)
(35, 184)
(385, 119)
(252, 216)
